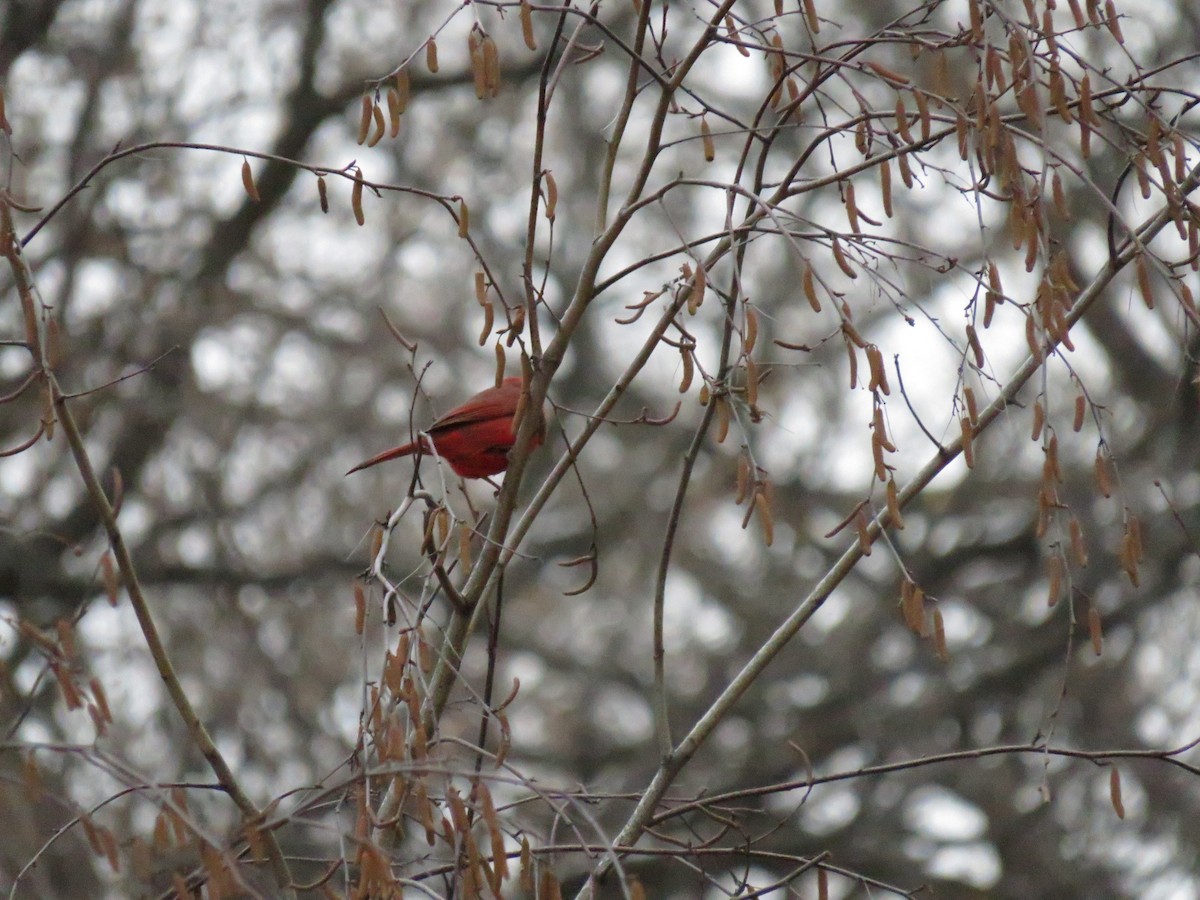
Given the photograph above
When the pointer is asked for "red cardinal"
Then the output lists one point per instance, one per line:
(473, 438)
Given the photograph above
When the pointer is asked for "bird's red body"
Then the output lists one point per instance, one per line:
(473, 438)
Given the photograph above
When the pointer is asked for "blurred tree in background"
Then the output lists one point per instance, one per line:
(860, 559)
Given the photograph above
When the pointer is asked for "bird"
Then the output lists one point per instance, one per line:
(474, 438)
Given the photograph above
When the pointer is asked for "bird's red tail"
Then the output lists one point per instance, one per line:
(394, 453)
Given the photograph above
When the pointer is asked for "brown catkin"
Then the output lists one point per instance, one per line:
(706, 140)
(750, 336)
(976, 347)
(464, 219)
(364, 121)
(380, 126)
(810, 16)
(939, 635)
(839, 257)
(1103, 478)
(810, 290)
(893, 505)
(1095, 631)
(885, 186)
(393, 103)
(968, 441)
(685, 382)
(1114, 791)
(356, 194)
(527, 25)
(248, 182)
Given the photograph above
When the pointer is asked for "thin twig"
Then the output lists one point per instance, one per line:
(140, 370)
